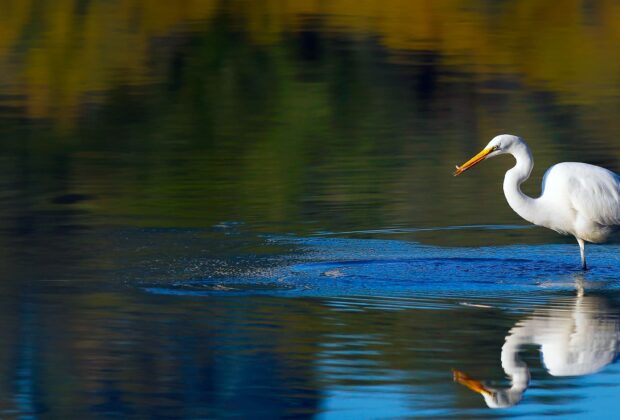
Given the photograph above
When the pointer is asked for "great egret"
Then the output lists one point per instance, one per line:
(577, 198)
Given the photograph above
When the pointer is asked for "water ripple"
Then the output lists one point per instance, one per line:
(352, 273)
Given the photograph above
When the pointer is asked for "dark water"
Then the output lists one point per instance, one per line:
(242, 209)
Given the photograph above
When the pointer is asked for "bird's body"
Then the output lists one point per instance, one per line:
(585, 200)
(577, 199)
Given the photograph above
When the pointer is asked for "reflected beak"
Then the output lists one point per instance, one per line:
(473, 161)
(470, 383)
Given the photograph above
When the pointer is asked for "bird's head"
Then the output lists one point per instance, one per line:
(502, 144)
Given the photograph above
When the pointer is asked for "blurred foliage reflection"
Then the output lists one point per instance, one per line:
(336, 115)
(120, 118)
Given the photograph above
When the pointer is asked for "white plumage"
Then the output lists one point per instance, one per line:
(577, 198)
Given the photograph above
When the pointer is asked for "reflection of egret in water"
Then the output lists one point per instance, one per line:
(577, 336)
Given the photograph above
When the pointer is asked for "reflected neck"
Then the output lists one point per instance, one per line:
(512, 363)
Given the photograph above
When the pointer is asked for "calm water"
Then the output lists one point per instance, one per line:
(232, 209)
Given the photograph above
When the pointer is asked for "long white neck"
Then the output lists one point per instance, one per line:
(523, 205)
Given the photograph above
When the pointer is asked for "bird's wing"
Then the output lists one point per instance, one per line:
(594, 192)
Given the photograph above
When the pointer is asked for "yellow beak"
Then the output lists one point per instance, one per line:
(473, 161)
(470, 383)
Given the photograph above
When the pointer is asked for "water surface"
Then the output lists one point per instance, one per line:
(233, 209)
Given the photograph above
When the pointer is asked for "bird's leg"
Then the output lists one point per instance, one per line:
(582, 249)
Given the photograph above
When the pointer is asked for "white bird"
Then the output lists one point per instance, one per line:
(577, 198)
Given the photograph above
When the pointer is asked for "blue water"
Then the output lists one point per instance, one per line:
(381, 323)
(234, 322)
(325, 265)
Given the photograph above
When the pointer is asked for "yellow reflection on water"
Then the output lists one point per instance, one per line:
(58, 55)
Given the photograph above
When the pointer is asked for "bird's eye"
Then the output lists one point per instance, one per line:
(495, 148)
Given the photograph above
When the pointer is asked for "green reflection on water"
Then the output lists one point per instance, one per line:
(308, 129)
